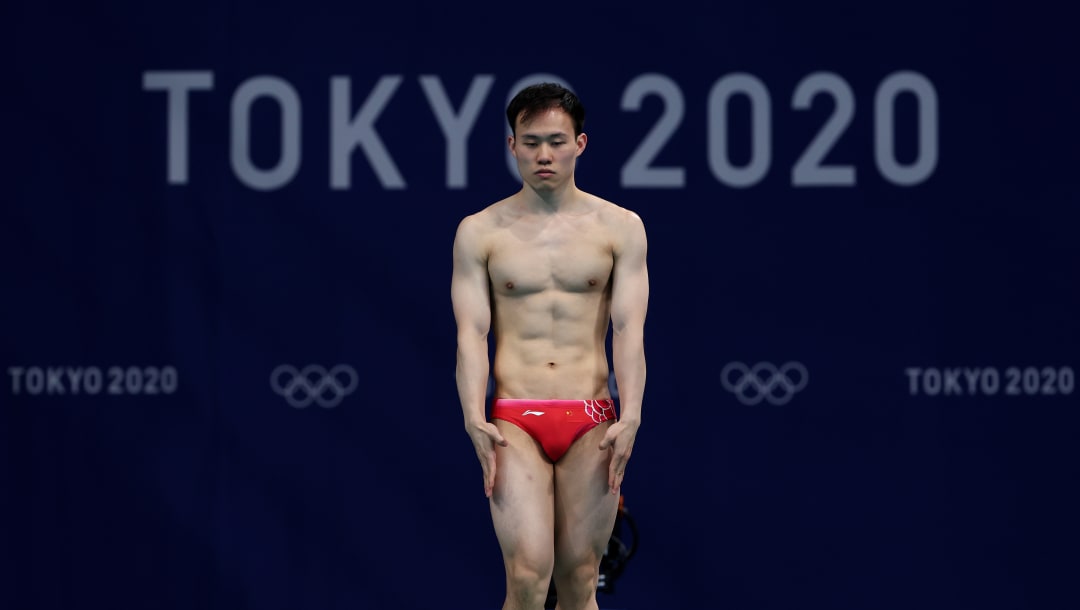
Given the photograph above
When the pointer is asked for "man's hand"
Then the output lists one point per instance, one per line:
(620, 439)
(485, 436)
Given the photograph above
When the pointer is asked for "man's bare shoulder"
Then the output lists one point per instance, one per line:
(622, 220)
(477, 225)
(487, 218)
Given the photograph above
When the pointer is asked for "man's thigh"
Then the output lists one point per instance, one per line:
(585, 508)
(522, 502)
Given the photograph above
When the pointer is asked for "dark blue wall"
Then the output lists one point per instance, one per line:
(861, 393)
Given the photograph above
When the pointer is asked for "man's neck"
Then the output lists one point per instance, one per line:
(567, 198)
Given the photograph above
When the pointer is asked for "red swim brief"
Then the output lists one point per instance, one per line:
(555, 424)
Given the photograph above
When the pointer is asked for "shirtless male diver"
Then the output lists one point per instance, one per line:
(549, 269)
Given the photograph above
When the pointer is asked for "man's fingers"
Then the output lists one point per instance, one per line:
(609, 439)
(615, 474)
(496, 436)
(485, 450)
(489, 476)
(617, 469)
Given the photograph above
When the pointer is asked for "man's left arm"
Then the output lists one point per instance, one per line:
(629, 303)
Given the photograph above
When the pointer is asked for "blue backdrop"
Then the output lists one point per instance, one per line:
(228, 350)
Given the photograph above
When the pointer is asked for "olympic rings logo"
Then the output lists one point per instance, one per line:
(763, 381)
(314, 384)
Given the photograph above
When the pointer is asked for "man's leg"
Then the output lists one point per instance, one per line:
(523, 514)
(584, 517)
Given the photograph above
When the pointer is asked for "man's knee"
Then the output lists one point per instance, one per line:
(527, 582)
(576, 584)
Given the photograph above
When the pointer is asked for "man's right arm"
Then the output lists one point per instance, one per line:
(472, 310)
(470, 295)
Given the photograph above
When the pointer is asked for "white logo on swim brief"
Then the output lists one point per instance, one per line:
(531, 412)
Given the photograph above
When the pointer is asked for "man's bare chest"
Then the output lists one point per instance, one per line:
(565, 262)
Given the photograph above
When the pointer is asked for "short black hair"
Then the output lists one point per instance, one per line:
(545, 96)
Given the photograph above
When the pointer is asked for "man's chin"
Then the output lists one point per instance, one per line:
(544, 184)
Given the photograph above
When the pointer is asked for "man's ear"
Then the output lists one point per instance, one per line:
(581, 141)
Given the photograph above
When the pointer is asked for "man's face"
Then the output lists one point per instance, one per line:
(546, 149)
